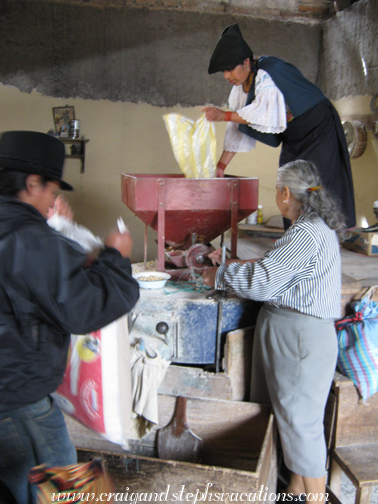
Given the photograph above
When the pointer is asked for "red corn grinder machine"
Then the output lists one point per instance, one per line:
(188, 214)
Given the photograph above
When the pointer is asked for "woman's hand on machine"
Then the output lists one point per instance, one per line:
(216, 256)
(209, 275)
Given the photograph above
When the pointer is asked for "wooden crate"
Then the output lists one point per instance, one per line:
(356, 419)
(354, 448)
(239, 454)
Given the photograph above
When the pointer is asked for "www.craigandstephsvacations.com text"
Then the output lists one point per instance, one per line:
(192, 497)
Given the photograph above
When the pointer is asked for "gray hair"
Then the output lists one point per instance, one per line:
(304, 183)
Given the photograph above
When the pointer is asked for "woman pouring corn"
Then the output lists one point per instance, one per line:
(272, 102)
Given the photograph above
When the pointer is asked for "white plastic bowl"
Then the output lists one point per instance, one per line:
(156, 279)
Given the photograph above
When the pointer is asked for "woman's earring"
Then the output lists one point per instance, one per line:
(285, 201)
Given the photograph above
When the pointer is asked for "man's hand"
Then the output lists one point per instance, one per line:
(120, 241)
(62, 207)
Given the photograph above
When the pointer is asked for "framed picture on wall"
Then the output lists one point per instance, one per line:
(62, 119)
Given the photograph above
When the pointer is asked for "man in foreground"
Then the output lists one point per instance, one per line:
(48, 290)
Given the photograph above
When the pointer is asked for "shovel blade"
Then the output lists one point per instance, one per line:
(185, 448)
(176, 441)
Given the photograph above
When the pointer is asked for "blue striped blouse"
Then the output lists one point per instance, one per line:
(302, 272)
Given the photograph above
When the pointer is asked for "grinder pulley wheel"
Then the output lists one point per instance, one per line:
(196, 256)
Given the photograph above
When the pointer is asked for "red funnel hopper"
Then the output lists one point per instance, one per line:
(176, 207)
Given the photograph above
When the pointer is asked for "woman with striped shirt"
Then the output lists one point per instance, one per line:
(295, 344)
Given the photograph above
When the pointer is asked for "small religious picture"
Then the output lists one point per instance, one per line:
(62, 119)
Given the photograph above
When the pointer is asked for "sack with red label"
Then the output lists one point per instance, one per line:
(96, 387)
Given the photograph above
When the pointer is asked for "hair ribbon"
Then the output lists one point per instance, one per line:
(315, 188)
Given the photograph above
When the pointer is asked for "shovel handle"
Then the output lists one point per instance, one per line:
(179, 419)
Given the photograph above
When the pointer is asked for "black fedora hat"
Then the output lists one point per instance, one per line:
(35, 153)
(231, 50)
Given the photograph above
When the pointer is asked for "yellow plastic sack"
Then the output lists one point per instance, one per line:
(194, 145)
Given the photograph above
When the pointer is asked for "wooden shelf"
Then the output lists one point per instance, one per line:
(259, 230)
(81, 150)
(260, 227)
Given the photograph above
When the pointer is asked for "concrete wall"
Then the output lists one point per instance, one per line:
(349, 56)
(133, 55)
(122, 69)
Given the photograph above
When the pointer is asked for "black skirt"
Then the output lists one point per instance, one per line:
(317, 136)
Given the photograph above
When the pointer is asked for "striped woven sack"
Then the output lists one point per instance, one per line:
(358, 345)
(85, 482)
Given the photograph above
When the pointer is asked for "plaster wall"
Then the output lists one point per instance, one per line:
(120, 142)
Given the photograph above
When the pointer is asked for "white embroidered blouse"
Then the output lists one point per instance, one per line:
(267, 113)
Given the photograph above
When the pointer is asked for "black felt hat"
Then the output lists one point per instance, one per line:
(231, 50)
(35, 153)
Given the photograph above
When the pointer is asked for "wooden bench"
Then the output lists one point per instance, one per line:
(354, 445)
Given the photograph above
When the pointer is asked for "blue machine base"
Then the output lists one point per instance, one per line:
(189, 323)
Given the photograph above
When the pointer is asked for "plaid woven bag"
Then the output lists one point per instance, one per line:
(358, 345)
(84, 482)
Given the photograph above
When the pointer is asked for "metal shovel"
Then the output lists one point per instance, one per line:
(176, 441)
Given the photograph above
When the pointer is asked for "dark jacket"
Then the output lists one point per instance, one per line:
(47, 292)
